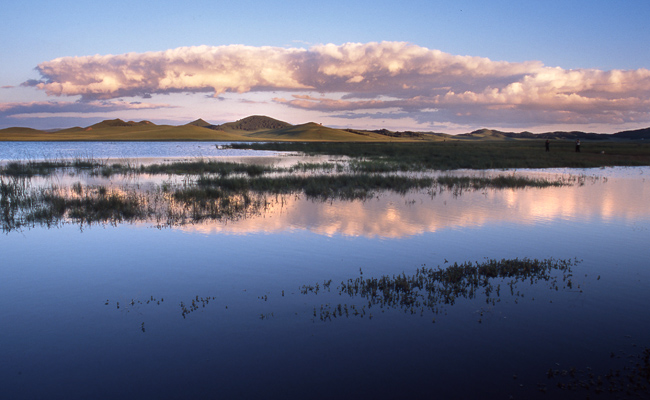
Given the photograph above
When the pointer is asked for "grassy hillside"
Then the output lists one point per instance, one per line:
(20, 131)
(133, 133)
(200, 122)
(262, 128)
(483, 134)
(254, 123)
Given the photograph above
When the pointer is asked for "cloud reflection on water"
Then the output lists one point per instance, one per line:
(390, 215)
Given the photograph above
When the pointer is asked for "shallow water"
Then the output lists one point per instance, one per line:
(63, 335)
(11, 151)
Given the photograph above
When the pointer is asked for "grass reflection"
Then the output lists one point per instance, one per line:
(432, 289)
(24, 203)
(428, 289)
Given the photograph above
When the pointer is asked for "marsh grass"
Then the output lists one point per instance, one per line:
(502, 181)
(88, 207)
(472, 155)
(362, 186)
(311, 167)
(375, 158)
(430, 290)
(215, 197)
(33, 168)
(222, 190)
(201, 167)
(343, 186)
(433, 289)
(48, 167)
(105, 169)
(13, 198)
(232, 197)
(24, 206)
(214, 204)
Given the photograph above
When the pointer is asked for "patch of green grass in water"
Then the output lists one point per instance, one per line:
(321, 186)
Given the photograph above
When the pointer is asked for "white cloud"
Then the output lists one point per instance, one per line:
(371, 76)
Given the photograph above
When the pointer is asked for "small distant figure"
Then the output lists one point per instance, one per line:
(577, 145)
(548, 145)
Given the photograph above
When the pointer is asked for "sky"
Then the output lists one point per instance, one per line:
(442, 66)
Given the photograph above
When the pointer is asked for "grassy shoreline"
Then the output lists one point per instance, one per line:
(379, 158)
(473, 155)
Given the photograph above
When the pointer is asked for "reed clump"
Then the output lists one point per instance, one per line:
(32, 168)
(431, 289)
(23, 206)
(199, 204)
(200, 167)
(88, 207)
(13, 199)
(344, 186)
(105, 169)
(501, 181)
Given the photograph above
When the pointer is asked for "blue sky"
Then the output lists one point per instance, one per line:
(556, 71)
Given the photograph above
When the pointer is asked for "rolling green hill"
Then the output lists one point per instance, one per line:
(315, 132)
(107, 132)
(20, 131)
(485, 134)
(254, 123)
(200, 122)
(262, 128)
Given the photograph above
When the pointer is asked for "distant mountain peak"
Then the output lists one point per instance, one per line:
(119, 122)
(256, 123)
(200, 122)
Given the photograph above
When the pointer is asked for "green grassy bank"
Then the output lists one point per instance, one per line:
(475, 154)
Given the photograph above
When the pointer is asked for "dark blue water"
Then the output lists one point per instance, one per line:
(62, 335)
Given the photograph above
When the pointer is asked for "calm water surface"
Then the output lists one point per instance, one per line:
(64, 337)
(118, 150)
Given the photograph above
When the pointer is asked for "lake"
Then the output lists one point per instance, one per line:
(266, 303)
(117, 150)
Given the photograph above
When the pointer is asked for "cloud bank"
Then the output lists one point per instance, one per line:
(56, 107)
(371, 79)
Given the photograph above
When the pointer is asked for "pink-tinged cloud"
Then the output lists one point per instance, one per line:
(37, 107)
(186, 69)
(371, 76)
